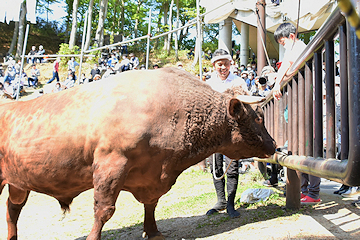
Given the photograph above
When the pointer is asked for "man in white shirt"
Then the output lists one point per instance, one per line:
(221, 80)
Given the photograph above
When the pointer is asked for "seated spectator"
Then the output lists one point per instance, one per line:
(9, 59)
(251, 78)
(102, 62)
(72, 64)
(208, 55)
(262, 89)
(190, 54)
(180, 66)
(109, 71)
(32, 54)
(124, 64)
(83, 79)
(70, 72)
(155, 66)
(242, 68)
(57, 88)
(94, 71)
(1, 71)
(112, 61)
(69, 81)
(244, 75)
(262, 83)
(97, 77)
(41, 52)
(34, 76)
(8, 91)
(1, 89)
(10, 74)
(236, 72)
(134, 62)
(142, 67)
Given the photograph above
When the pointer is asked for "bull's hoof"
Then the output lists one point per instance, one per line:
(161, 237)
(158, 237)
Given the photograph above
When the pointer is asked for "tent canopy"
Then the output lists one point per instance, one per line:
(312, 15)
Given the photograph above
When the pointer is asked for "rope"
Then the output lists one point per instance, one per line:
(262, 40)
(348, 9)
(214, 175)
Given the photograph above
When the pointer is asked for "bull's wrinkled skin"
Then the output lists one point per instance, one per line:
(135, 132)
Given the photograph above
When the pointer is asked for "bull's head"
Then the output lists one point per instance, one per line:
(249, 136)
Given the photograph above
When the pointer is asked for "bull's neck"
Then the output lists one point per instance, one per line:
(206, 126)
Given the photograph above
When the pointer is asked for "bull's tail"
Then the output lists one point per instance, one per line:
(65, 206)
(2, 185)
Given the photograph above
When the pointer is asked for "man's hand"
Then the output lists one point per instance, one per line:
(276, 91)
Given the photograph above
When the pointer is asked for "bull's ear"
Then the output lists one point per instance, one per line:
(236, 108)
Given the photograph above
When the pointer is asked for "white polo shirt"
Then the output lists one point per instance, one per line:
(222, 85)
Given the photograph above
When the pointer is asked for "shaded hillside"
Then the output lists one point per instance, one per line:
(46, 34)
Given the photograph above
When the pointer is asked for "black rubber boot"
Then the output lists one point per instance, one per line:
(220, 193)
(232, 182)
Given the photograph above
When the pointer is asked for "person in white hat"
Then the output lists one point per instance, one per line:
(221, 80)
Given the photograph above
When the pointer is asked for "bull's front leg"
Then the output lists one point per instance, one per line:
(150, 228)
(15, 203)
(108, 178)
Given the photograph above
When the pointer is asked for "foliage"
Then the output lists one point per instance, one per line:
(65, 50)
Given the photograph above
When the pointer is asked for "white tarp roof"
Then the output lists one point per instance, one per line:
(10, 10)
(312, 12)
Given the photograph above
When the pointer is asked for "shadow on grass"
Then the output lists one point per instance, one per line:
(201, 226)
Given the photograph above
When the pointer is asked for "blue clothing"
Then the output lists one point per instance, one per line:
(250, 83)
(55, 75)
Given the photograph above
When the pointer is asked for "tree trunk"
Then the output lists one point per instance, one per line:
(122, 20)
(88, 32)
(166, 9)
(176, 33)
(22, 19)
(137, 19)
(15, 35)
(74, 24)
(156, 44)
(170, 28)
(100, 29)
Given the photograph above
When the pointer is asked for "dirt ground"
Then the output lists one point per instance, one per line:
(334, 218)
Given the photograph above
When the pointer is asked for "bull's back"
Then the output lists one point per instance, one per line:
(54, 137)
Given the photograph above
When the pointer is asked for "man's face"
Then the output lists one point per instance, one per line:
(222, 67)
(287, 42)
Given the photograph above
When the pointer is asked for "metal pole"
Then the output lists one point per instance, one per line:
(199, 38)
(344, 84)
(309, 92)
(318, 113)
(301, 112)
(82, 46)
(22, 61)
(148, 41)
(261, 28)
(330, 98)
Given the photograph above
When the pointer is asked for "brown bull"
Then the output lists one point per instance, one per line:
(135, 132)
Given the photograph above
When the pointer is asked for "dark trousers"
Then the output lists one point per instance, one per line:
(310, 185)
(55, 75)
(32, 81)
(219, 159)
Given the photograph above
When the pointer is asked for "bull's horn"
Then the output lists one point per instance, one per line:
(250, 99)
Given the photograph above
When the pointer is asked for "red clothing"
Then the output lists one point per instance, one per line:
(56, 66)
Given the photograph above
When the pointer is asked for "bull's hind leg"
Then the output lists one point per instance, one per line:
(150, 228)
(16, 201)
(109, 177)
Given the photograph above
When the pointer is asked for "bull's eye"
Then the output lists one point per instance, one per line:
(259, 120)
